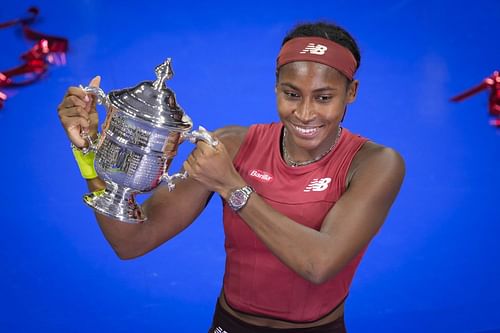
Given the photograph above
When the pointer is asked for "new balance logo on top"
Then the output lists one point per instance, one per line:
(318, 185)
(314, 49)
(220, 330)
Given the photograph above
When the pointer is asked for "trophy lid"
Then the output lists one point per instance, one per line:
(153, 102)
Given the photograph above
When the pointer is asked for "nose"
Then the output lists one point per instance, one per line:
(305, 112)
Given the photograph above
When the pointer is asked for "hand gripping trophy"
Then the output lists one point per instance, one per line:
(143, 128)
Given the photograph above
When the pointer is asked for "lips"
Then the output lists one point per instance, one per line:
(306, 131)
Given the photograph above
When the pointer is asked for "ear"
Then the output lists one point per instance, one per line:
(352, 91)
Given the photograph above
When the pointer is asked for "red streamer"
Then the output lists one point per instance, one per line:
(46, 50)
(493, 83)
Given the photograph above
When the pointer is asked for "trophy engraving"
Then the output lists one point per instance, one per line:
(142, 131)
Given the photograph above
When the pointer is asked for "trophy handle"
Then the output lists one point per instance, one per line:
(193, 137)
(102, 98)
(169, 179)
(200, 134)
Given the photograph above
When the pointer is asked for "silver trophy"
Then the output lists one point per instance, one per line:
(143, 128)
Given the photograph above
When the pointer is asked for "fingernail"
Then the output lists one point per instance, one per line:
(86, 99)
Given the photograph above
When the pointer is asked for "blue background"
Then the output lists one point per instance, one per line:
(434, 266)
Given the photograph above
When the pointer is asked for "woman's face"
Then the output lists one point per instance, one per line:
(311, 99)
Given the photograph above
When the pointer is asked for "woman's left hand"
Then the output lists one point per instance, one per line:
(213, 167)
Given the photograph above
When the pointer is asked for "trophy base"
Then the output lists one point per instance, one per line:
(117, 203)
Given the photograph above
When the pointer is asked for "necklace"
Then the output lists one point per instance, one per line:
(293, 163)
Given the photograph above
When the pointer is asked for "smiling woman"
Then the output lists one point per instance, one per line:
(302, 198)
(312, 100)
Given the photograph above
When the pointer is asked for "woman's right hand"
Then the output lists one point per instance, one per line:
(78, 114)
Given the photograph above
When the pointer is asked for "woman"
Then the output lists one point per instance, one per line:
(302, 197)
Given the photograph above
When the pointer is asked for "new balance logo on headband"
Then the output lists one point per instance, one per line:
(318, 49)
(314, 49)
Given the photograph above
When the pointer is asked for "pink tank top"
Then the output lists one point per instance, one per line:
(255, 280)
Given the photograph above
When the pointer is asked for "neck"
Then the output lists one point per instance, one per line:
(294, 163)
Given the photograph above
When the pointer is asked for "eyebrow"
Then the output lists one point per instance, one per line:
(322, 89)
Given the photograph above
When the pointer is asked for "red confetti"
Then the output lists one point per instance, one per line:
(3, 97)
(493, 83)
(495, 122)
(46, 50)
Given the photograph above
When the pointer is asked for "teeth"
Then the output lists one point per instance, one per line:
(306, 130)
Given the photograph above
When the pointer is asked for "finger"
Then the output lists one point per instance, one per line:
(73, 121)
(95, 82)
(71, 101)
(75, 91)
(196, 152)
(203, 147)
(210, 137)
(77, 140)
(212, 141)
(187, 167)
(94, 120)
(78, 91)
(191, 159)
(76, 111)
(207, 149)
(74, 127)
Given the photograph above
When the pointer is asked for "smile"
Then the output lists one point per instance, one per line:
(306, 131)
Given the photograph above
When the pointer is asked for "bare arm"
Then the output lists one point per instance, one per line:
(347, 228)
(168, 212)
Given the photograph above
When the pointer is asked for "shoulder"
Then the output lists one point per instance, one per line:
(233, 132)
(375, 160)
(372, 152)
(232, 137)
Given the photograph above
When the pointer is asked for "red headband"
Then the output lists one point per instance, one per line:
(320, 50)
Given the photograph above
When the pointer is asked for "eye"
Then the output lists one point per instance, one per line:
(291, 94)
(324, 98)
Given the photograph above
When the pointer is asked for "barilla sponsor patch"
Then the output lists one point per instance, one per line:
(261, 176)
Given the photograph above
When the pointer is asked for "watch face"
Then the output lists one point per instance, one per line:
(238, 198)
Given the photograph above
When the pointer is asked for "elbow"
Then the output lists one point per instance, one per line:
(127, 249)
(318, 278)
(126, 254)
(323, 268)
(318, 273)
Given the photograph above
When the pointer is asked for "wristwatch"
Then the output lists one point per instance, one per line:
(239, 197)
